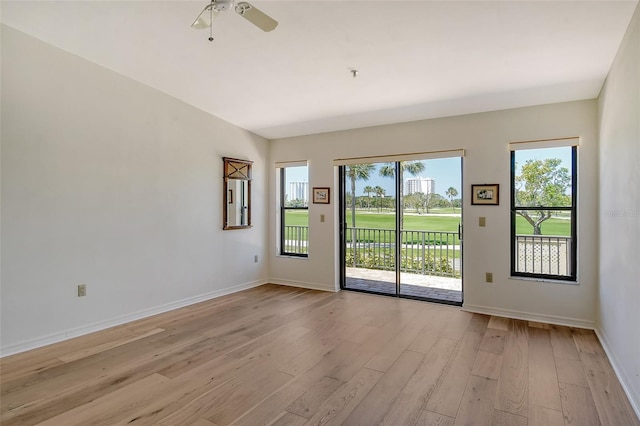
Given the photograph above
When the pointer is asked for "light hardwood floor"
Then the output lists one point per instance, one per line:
(284, 356)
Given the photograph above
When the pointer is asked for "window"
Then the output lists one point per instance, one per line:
(294, 210)
(543, 212)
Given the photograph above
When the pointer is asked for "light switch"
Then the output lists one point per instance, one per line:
(321, 218)
(482, 221)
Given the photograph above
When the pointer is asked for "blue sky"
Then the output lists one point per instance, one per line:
(445, 171)
(563, 153)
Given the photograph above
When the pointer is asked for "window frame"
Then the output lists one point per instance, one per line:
(283, 209)
(573, 209)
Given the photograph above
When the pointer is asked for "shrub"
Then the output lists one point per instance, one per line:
(385, 260)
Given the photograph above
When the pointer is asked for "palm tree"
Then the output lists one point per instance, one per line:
(357, 172)
(451, 193)
(379, 191)
(412, 167)
(368, 190)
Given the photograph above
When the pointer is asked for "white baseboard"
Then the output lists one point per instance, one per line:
(625, 381)
(529, 316)
(303, 284)
(49, 339)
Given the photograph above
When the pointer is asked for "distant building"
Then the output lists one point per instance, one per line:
(299, 191)
(420, 184)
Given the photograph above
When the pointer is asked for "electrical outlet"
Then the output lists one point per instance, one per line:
(255, 259)
(488, 277)
(482, 221)
(82, 290)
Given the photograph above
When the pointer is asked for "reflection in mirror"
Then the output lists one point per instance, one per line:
(237, 190)
(238, 202)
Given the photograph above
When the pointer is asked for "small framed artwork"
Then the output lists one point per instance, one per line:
(485, 194)
(320, 195)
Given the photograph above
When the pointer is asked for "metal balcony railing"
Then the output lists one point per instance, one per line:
(434, 252)
(422, 252)
(543, 254)
(296, 239)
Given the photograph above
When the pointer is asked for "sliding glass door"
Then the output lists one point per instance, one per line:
(369, 230)
(401, 233)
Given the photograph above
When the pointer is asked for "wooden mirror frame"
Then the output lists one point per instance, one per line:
(235, 170)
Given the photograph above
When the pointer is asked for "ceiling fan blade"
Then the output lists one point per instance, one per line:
(256, 17)
(206, 17)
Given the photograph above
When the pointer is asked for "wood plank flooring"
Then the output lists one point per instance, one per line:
(278, 355)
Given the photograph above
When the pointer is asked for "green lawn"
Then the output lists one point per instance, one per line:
(364, 219)
(385, 221)
(297, 218)
(411, 222)
(553, 226)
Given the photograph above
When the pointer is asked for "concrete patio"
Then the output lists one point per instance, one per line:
(446, 289)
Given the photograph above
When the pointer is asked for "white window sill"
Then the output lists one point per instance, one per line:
(286, 256)
(544, 280)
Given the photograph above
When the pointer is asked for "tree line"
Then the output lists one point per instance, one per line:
(418, 201)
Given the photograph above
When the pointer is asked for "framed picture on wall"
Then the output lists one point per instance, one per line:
(321, 195)
(485, 194)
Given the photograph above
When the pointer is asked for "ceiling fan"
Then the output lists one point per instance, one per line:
(244, 9)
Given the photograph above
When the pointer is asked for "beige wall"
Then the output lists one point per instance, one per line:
(113, 184)
(619, 210)
(485, 138)
(110, 183)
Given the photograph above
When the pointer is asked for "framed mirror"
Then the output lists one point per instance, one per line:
(236, 212)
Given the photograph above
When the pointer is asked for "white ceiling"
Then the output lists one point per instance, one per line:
(416, 59)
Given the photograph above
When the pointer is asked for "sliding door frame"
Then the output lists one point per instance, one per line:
(342, 217)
